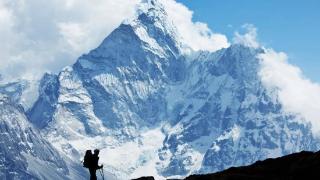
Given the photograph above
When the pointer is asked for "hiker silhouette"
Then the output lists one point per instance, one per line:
(91, 162)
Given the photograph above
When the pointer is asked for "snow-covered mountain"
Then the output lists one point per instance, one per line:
(25, 154)
(226, 117)
(153, 109)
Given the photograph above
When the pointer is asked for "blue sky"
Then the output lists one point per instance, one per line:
(292, 26)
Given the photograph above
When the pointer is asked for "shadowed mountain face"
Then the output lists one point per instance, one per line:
(303, 165)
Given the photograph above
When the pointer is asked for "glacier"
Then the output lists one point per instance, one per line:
(154, 108)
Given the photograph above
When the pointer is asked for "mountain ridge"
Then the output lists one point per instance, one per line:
(299, 165)
(302, 165)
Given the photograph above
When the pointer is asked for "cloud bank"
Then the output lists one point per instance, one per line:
(38, 36)
(196, 35)
(296, 93)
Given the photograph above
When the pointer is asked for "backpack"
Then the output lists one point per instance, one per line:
(87, 159)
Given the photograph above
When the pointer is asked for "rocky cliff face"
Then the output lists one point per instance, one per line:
(151, 107)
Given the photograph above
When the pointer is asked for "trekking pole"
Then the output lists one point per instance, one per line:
(101, 173)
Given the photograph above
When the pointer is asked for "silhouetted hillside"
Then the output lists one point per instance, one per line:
(145, 178)
(303, 165)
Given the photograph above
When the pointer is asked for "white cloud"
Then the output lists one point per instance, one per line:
(197, 35)
(297, 93)
(38, 36)
(248, 38)
(74, 34)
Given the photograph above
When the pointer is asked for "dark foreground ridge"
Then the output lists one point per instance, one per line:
(145, 178)
(297, 166)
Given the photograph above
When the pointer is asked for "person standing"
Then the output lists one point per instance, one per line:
(94, 165)
(91, 162)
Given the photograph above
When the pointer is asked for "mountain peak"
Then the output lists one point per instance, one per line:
(150, 29)
(151, 4)
(153, 26)
(154, 10)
